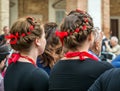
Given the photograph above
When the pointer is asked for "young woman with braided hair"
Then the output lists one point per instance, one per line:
(78, 69)
(27, 37)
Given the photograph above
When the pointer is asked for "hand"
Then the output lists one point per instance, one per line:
(106, 42)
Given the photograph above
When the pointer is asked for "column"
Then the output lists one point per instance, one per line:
(94, 9)
(73, 4)
(4, 14)
(106, 17)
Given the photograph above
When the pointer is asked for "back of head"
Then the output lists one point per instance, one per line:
(78, 25)
(54, 47)
(4, 51)
(23, 32)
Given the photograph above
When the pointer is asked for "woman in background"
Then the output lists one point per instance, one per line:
(53, 49)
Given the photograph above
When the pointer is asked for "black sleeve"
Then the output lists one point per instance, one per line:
(96, 85)
(39, 80)
(101, 84)
(107, 65)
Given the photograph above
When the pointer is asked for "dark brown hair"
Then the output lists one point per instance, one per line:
(53, 48)
(80, 20)
(23, 26)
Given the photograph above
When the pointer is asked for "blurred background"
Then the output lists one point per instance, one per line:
(105, 13)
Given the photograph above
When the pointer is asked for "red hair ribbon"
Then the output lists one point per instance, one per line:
(12, 36)
(61, 35)
(81, 55)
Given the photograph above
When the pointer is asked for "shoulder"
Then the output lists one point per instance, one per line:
(39, 80)
(105, 64)
(110, 76)
(113, 71)
(39, 72)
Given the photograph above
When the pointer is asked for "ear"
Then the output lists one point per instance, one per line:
(37, 42)
(91, 37)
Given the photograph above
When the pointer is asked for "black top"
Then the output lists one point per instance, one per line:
(76, 75)
(23, 76)
(108, 81)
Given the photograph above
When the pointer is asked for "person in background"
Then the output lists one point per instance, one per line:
(95, 49)
(4, 52)
(53, 49)
(6, 32)
(27, 37)
(77, 69)
(108, 81)
(115, 46)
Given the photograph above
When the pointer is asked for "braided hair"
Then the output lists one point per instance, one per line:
(78, 25)
(23, 32)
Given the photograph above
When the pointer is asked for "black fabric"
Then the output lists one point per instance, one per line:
(23, 76)
(2, 37)
(108, 81)
(76, 75)
(4, 51)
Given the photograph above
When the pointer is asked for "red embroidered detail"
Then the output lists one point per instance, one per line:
(15, 56)
(81, 55)
(61, 35)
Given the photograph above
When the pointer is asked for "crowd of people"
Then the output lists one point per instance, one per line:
(72, 56)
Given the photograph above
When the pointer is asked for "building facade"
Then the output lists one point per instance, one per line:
(105, 13)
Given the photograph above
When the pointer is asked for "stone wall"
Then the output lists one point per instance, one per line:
(37, 8)
(4, 14)
(115, 7)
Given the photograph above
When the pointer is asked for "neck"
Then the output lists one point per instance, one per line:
(26, 57)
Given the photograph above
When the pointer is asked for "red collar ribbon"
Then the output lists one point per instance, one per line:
(81, 55)
(15, 56)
